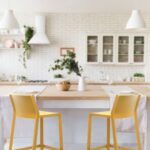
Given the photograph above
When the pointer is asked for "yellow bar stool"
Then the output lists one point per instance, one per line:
(25, 106)
(124, 106)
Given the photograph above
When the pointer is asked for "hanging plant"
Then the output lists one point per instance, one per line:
(29, 32)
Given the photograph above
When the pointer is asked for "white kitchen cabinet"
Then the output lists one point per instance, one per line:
(108, 49)
(116, 49)
(123, 49)
(138, 50)
(92, 49)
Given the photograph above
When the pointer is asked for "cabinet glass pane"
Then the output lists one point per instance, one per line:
(107, 48)
(123, 48)
(138, 49)
(92, 48)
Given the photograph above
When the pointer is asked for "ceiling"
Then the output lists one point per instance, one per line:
(103, 6)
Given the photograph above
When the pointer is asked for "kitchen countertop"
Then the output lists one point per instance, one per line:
(75, 82)
(93, 92)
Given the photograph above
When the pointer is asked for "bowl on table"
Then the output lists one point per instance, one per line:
(63, 85)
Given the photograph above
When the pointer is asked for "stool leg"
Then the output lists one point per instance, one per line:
(41, 133)
(108, 133)
(114, 134)
(60, 132)
(89, 132)
(35, 133)
(12, 132)
(137, 132)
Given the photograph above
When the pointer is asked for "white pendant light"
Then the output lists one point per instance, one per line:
(40, 36)
(9, 21)
(136, 20)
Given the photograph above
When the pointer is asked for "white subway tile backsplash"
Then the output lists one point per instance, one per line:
(68, 30)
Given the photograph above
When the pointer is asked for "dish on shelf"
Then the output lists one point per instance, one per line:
(92, 42)
(9, 44)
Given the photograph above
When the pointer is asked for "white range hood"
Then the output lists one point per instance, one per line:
(40, 36)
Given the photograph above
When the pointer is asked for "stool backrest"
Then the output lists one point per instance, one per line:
(125, 105)
(24, 105)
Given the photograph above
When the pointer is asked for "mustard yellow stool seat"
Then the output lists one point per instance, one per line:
(25, 106)
(124, 106)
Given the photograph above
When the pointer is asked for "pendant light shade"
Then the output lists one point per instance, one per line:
(136, 20)
(9, 21)
(40, 36)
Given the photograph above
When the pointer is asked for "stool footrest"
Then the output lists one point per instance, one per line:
(122, 147)
(109, 146)
(38, 146)
(99, 147)
(50, 147)
(28, 147)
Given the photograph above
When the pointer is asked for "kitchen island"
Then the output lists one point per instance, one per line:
(75, 107)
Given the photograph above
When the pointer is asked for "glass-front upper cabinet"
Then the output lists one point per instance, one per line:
(138, 49)
(92, 48)
(123, 49)
(108, 42)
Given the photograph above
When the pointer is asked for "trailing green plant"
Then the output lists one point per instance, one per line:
(67, 62)
(138, 75)
(29, 32)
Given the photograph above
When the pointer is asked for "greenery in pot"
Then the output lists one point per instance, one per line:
(67, 62)
(29, 32)
(58, 76)
(138, 75)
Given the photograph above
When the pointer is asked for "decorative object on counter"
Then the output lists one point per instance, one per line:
(82, 83)
(138, 77)
(9, 43)
(29, 32)
(63, 85)
(68, 63)
(58, 76)
(20, 78)
(3, 77)
(63, 51)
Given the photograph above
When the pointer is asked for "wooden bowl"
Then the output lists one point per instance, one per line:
(63, 86)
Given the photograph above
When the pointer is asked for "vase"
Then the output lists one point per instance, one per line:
(82, 84)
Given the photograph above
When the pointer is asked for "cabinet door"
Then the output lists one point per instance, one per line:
(138, 56)
(108, 50)
(92, 48)
(123, 49)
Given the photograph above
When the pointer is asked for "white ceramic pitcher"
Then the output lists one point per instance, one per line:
(82, 83)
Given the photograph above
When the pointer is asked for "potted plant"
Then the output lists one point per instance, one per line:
(138, 77)
(58, 76)
(68, 63)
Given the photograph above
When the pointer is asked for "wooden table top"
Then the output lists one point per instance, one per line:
(93, 92)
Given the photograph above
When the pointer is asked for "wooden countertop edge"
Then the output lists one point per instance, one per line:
(71, 98)
(74, 83)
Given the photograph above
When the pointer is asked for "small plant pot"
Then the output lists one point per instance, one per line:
(138, 79)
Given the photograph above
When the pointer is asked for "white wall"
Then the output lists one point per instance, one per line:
(68, 30)
(106, 6)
